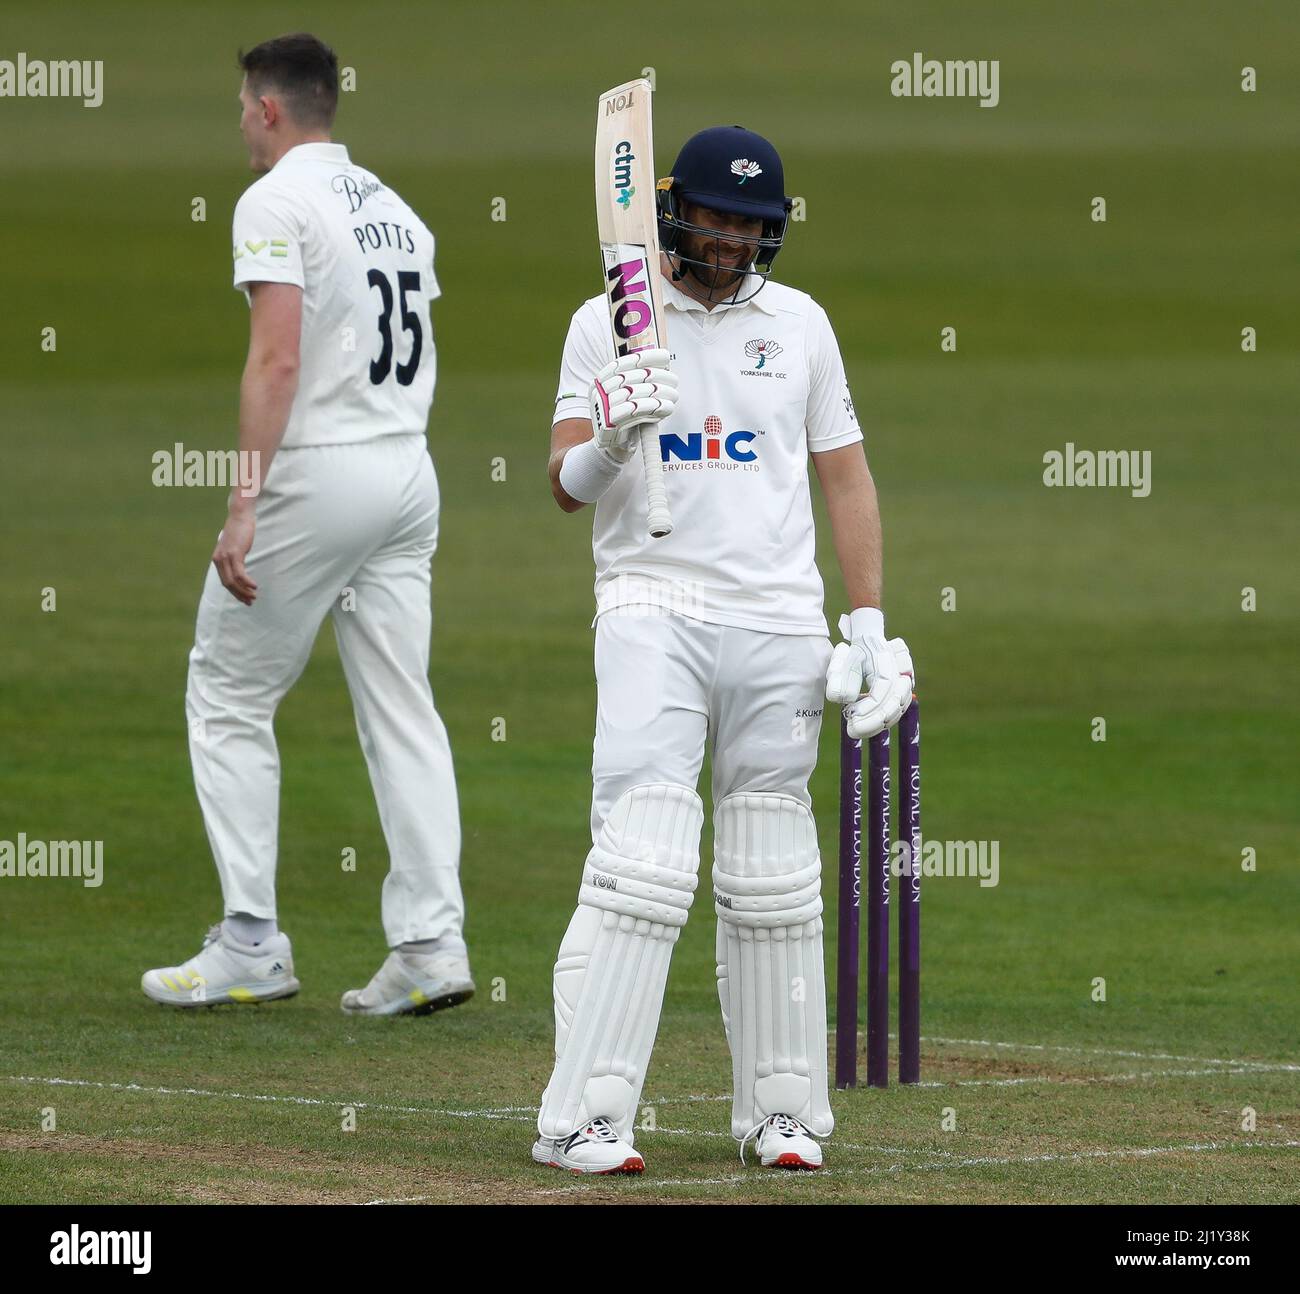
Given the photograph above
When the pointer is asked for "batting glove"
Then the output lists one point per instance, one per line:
(868, 661)
(630, 391)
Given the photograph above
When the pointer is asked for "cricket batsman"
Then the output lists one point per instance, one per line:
(338, 272)
(713, 638)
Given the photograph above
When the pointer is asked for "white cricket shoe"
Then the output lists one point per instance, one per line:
(594, 1148)
(225, 970)
(414, 984)
(783, 1142)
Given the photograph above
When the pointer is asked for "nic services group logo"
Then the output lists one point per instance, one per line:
(710, 448)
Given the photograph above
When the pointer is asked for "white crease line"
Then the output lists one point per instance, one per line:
(1084, 1080)
(948, 1162)
(1104, 1051)
(529, 1114)
(257, 1096)
(1067, 1080)
(982, 1161)
(843, 1145)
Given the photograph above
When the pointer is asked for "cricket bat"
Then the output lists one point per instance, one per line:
(627, 225)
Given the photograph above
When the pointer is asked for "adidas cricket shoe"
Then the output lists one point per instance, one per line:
(225, 970)
(783, 1142)
(413, 984)
(594, 1148)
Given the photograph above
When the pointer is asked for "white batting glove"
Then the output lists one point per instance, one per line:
(868, 661)
(627, 392)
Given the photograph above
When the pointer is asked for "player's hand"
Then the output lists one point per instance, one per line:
(867, 660)
(233, 543)
(628, 392)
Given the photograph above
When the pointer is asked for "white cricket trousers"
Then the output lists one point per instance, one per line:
(349, 530)
(668, 686)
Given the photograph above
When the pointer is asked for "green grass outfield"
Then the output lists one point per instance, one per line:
(1119, 860)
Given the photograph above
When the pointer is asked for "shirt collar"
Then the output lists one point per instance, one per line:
(679, 300)
(317, 152)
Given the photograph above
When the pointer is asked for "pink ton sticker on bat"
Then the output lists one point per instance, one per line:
(632, 317)
(627, 287)
(626, 279)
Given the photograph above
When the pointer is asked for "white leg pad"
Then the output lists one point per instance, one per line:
(637, 887)
(771, 976)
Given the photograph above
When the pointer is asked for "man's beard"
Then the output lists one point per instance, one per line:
(714, 276)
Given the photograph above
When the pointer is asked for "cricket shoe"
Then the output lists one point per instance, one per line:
(594, 1148)
(783, 1142)
(413, 984)
(225, 970)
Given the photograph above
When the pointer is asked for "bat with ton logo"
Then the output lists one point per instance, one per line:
(627, 225)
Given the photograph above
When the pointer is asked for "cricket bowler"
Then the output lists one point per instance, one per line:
(712, 638)
(338, 272)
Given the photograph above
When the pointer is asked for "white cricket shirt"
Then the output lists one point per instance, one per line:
(364, 261)
(762, 386)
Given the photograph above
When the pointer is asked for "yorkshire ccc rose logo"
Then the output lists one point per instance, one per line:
(746, 169)
(762, 350)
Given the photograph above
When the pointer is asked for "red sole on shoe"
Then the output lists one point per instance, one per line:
(630, 1167)
(791, 1160)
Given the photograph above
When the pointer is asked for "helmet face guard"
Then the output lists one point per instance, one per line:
(710, 273)
(735, 171)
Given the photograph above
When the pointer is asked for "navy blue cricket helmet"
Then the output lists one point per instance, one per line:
(731, 169)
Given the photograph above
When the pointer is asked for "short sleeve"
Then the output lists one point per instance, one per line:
(831, 421)
(435, 291)
(587, 349)
(268, 236)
